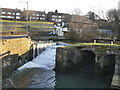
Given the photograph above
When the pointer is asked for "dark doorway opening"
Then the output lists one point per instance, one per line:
(87, 61)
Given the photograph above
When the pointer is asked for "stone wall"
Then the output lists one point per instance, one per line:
(74, 53)
(14, 53)
(95, 60)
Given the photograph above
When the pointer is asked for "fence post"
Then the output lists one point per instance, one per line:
(111, 42)
(95, 41)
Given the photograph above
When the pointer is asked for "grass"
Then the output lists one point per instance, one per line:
(91, 44)
(26, 21)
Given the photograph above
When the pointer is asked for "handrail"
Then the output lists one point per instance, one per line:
(110, 40)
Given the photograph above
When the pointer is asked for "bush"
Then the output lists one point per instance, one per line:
(85, 35)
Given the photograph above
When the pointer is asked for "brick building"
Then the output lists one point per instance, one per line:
(34, 15)
(16, 14)
(79, 22)
(56, 17)
(11, 14)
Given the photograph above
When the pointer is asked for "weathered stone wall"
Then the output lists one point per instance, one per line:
(72, 54)
(98, 60)
(15, 52)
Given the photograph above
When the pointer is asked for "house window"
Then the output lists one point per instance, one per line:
(37, 18)
(59, 16)
(9, 17)
(3, 12)
(37, 15)
(33, 17)
(59, 20)
(56, 20)
(54, 16)
(53, 19)
(17, 17)
(8, 12)
(30, 18)
(13, 13)
(17, 13)
(43, 15)
(40, 18)
(12, 17)
(34, 14)
(3, 16)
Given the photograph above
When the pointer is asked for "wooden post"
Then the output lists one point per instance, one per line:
(111, 42)
(95, 41)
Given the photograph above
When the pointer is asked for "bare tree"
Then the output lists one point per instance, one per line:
(76, 11)
(113, 17)
(91, 15)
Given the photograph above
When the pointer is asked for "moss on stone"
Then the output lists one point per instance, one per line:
(91, 45)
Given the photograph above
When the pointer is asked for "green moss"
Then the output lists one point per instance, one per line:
(91, 45)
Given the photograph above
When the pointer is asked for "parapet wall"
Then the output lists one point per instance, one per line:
(14, 53)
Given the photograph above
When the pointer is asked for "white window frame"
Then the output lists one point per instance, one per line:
(9, 12)
(8, 16)
(3, 12)
(33, 18)
(37, 15)
(17, 17)
(17, 13)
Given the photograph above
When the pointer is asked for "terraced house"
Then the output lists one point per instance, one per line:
(11, 14)
(17, 14)
(56, 17)
(34, 15)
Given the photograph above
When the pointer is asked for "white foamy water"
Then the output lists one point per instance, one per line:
(44, 60)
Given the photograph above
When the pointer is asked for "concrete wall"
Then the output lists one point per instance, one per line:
(15, 52)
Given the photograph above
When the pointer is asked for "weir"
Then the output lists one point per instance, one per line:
(75, 66)
(17, 51)
(41, 68)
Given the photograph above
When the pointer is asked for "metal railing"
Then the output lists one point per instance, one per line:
(110, 41)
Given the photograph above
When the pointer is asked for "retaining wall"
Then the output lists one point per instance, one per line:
(14, 53)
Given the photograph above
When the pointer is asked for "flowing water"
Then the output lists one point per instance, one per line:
(39, 73)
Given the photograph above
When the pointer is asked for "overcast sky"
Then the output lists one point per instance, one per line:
(63, 6)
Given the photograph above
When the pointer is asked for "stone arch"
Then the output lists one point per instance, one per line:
(87, 57)
(108, 64)
(108, 68)
(87, 61)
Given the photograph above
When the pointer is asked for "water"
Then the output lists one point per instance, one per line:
(44, 60)
(39, 73)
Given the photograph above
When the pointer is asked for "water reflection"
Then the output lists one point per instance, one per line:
(43, 78)
(78, 79)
